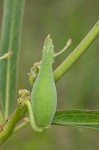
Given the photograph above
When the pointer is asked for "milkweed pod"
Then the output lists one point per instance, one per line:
(43, 95)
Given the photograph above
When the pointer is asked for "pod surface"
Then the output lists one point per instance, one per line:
(44, 95)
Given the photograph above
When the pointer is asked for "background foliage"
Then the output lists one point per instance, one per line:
(78, 88)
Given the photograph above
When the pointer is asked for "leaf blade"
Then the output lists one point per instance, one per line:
(78, 118)
(10, 38)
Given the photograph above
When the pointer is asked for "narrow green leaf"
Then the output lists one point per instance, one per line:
(10, 37)
(79, 118)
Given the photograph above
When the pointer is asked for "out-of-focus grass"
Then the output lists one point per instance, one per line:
(79, 87)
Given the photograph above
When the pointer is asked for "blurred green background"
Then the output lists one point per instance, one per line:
(78, 88)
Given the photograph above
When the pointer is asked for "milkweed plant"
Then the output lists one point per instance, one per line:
(41, 101)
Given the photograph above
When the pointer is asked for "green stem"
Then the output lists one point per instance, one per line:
(9, 127)
(68, 43)
(78, 51)
(32, 118)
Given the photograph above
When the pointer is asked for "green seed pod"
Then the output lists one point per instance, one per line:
(43, 95)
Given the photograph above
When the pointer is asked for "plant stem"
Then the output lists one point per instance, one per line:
(68, 43)
(32, 118)
(78, 51)
(9, 127)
